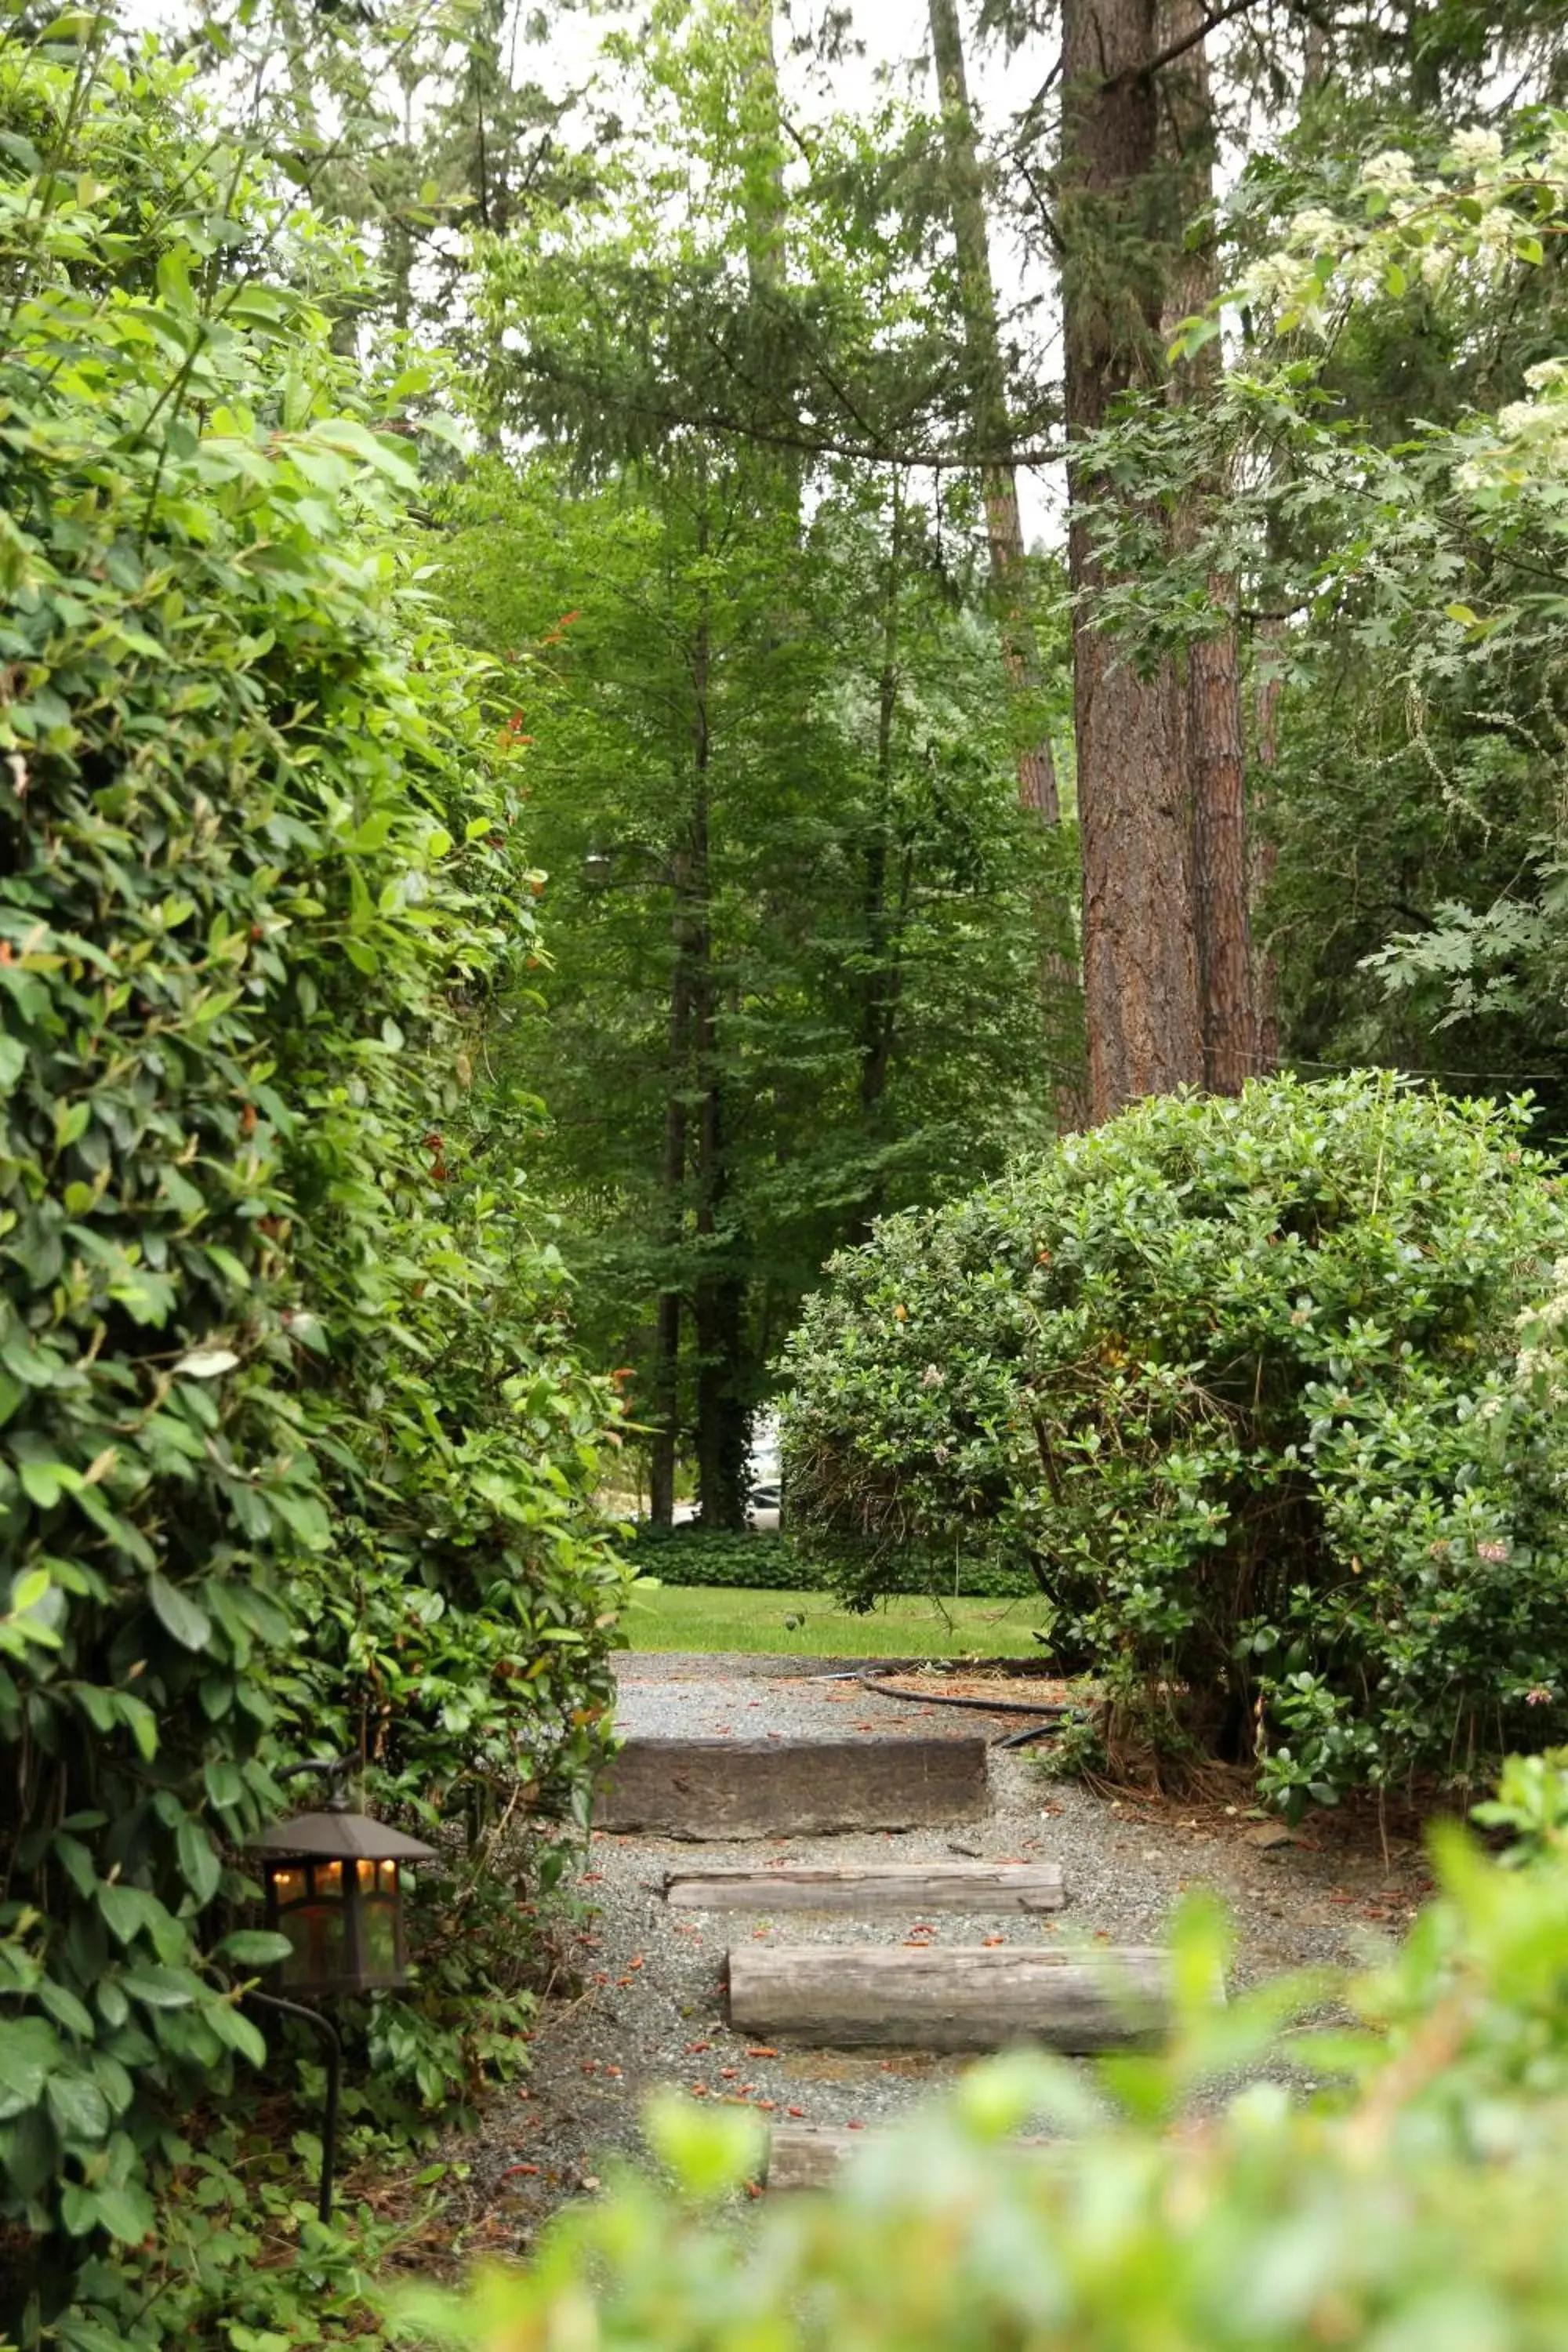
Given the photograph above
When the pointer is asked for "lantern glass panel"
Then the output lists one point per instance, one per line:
(315, 1928)
(389, 1878)
(380, 1931)
(364, 1871)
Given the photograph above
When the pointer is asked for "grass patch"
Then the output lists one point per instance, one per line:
(813, 1625)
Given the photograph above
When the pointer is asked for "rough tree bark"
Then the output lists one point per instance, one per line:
(1140, 946)
(1215, 747)
(1265, 853)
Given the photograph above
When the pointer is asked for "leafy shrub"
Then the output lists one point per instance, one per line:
(292, 1447)
(758, 1559)
(1240, 1382)
(1418, 2201)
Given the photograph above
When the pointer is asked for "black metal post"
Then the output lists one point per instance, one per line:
(329, 2032)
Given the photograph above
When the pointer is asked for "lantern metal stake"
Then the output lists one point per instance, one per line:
(330, 2035)
(334, 1891)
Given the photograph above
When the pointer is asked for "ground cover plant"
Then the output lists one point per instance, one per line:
(1411, 2198)
(1251, 1384)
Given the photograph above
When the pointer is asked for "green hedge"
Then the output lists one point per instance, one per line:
(765, 1561)
(293, 1451)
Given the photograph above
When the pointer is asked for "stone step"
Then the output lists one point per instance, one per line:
(912, 1888)
(967, 1996)
(719, 1788)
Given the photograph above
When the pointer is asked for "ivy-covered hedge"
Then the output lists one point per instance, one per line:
(1244, 1383)
(1416, 2201)
(294, 1454)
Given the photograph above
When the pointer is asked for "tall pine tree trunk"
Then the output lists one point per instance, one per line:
(1265, 853)
(1216, 754)
(1037, 790)
(1140, 944)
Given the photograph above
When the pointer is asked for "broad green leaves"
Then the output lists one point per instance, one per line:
(254, 1360)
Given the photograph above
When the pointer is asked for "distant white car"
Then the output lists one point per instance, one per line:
(762, 1507)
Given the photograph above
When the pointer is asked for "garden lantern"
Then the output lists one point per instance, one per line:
(334, 1889)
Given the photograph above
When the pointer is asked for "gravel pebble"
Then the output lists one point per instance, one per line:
(651, 2012)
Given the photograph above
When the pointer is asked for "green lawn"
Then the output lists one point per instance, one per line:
(813, 1625)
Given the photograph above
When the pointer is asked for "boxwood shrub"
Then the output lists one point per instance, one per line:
(1243, 1383)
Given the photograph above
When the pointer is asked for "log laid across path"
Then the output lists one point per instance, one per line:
(790, 1788)
(970, 1997)
(911, 1887)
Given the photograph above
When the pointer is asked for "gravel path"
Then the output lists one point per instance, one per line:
(651, 2009)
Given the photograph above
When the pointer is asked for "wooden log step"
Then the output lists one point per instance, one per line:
(970, 1997)
(911, 1887)
(790, 1788)
(808, 2156)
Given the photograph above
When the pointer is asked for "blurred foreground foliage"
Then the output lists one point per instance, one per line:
(1411, 2200)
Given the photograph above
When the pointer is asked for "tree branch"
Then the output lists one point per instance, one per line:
(1167, 57)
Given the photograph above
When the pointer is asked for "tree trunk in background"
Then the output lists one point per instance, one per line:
(1037, 790)
(1215, 751)
(1264, 855)
(1140, 947)
(762, 135)
(989, 396)
(881, 982)
(666, 1402)
(716, 1301)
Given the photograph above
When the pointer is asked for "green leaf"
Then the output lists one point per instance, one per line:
(79, 2108)
(239, 2031)
(161, 1987)
(199, 1863)
(44, 1483)
(30, 2049)
(223, 1786)
(127, 2213)
(179, 1614)
(29, 2152)
(66, 2008)
(254, 1948)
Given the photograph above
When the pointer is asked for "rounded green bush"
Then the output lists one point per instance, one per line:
(1243, 1382)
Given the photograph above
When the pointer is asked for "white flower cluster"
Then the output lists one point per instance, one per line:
(1393, 171)
(1316, 231)
(1528, 439)
(1472, 150)
(1541, 1360)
